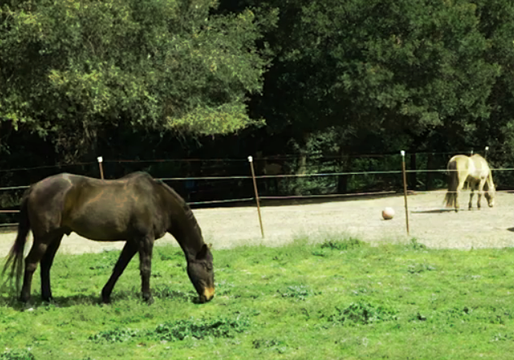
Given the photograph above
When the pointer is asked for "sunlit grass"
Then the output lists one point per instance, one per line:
(316, 298)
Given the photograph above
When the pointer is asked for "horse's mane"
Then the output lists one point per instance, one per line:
(189, 213)
(185, 206)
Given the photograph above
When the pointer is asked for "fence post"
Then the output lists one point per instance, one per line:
(250, 160)
(405, 192)
(100, 160)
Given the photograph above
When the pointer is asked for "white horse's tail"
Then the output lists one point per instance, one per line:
(453, 183)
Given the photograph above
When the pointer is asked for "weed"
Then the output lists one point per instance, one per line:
(167, 292)
(277, 345)
(17, 355)
(363, 313)
(298, 292)
(328, 246)
(343, 245)
(114, 336)
(415, 245)
(200, 328)
(502, 337)
(419, 268)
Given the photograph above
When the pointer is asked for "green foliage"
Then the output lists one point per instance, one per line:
(70, 69)
(17, 355)
(419, 268)
(276, 345)
(300, 292)
(220, 327)
(363, 313)
(415, 245)
(343, 245)
(114, 336)
(280, 302)
(327, 247)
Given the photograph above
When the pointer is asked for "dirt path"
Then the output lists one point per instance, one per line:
(228, 227)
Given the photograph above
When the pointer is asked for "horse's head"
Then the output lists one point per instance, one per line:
(489, 195)
(201, 273)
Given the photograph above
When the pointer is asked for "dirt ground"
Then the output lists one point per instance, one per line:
(429, 224)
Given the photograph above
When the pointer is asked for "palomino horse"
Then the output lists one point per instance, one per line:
(136, 208)
(473, 170)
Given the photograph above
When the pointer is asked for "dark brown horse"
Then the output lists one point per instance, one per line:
(136, 208)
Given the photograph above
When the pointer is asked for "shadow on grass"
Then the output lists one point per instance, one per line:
(161, 293)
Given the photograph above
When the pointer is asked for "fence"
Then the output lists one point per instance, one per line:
(399, 181)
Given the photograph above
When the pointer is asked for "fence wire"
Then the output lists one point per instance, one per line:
(286, 197)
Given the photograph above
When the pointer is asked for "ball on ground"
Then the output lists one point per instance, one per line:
(388, 213)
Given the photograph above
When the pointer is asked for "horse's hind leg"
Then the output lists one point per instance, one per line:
(37, 251)
(46, 264)
(145, 266)
(480, 192)
(128, 252)
(457, 191)
(472, 192)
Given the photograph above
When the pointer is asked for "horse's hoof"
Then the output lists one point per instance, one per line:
(106, 300)
(148, 299)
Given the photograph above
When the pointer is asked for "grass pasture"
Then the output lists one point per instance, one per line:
(338, 298)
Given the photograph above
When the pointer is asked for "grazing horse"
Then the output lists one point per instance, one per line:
(135, 208)
(473, 170)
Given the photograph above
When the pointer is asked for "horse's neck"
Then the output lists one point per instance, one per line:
(188, 234)
(489, 181)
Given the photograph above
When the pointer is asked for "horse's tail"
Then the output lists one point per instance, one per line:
(453, 183)
(14, 261)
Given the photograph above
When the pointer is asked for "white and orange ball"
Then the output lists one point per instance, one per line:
(388, 213)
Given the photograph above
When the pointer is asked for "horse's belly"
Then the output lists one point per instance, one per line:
(99, 228)
(100, 234)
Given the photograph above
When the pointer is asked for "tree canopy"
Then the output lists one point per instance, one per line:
(70, 68)
(365, 75)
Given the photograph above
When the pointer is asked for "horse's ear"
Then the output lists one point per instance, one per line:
(210, 245)
(202, 254)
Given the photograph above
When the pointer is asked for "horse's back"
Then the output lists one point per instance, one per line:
(97, 209)
(481, 166)
(459, 162)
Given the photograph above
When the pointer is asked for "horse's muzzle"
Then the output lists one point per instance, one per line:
(207, 295)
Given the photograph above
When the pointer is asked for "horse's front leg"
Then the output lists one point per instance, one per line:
(145, 266)
(480, 192)
(472, 192)
(128, 252)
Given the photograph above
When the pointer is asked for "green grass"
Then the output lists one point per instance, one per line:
(339, 298)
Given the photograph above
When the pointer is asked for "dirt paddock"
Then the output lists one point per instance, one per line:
(436, 228)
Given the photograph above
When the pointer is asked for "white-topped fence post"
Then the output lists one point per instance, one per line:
(405, 192)
(250, 160)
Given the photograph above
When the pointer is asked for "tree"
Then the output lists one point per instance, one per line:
(69, 69)
(400, 72)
